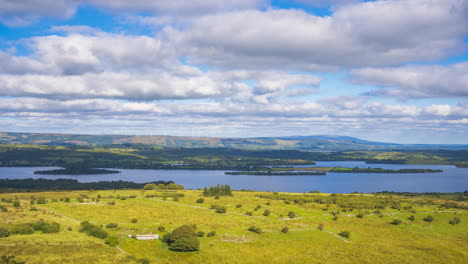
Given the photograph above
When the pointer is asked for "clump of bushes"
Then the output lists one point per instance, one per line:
(249, 213)
(200, 200)
(134, 220)
(200, 234)
(112, 241)
(111, 225)
(292, 214)
(266, 213)
(182, 238)
(255, 229)
(239, 206)
(46, 227)
(93, 230)
(4, 232)
(285, 229)
(396, 222)
(346, 234)
(211, 234)
(455, 221)
(22, 229)
(411, 218)
(360, 215)
(428, 218)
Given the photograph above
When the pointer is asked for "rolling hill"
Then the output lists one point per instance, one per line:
(305, 143)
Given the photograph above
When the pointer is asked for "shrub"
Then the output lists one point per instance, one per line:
(10, 260)
(4, 209)
(4, 232)
(396, 222)
(239, 206)
(33, 209)
(16, 204)
(200, 200)
(200, 234)
(93, 230)
(292, 214)
(429, 218)
(266, 213)
(211, 234)
(46, 227)
(182, 238)
(185, 244)
(455, 221)
(335, 218)
(134, 220)
(411, 218)
(111, 203)
(22, 229)
(360, 215)
(284, 229)
(112, 241)
(161, 229)
(249, 213)
(346, 234)
(221, 210)
(255, 229)
(111, 225)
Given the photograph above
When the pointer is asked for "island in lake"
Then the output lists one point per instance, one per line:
(76, 171)
(322, 170)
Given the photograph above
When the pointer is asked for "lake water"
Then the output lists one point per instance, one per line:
(451, 180)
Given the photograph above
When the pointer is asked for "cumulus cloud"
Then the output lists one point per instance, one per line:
(23, 13)
(423, 81)
(378, 33)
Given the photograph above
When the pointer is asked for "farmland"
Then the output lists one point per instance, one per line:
(314, 222)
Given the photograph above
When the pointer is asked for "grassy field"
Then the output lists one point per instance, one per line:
(373, 239)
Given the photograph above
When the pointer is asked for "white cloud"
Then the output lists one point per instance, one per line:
(407, 82)
(366, 34)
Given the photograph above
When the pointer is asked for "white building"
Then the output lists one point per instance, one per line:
(147, 237)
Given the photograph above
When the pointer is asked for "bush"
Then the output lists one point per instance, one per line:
(161, 229)
(239, 206)
(249, 213)
(200, 234)
(134, 220)
(292, 214)
(411, 218)
(211, 234)
(112, 241)
(4, 232)
(10, 260)
(455, 221)
(16, 204)
(200, 200)
(346, 234)
(266, 213)
(185, 244)
(182, 238)
(396, 222)
(22, 229)
(93, 230)
(255, 229)
(111, 225)
(220, 210)
(360, 215)
(111, 203)
(284, 229)
(429, 218)
(335, 218)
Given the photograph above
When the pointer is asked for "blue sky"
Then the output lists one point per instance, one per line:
(394, 71)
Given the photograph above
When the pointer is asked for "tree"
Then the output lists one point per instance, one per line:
(183, 238)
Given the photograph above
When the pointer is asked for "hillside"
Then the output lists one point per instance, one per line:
(307, 143)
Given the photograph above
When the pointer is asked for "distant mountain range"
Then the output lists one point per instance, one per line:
(306, 143)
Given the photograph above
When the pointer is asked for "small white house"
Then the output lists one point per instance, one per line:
(147, 237)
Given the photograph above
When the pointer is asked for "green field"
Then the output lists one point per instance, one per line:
(373, 239)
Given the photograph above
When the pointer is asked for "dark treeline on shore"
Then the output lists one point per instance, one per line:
(69, 184)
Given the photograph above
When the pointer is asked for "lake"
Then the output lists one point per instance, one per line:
(451, 180)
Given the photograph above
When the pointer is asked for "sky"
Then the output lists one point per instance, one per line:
(391, 71)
